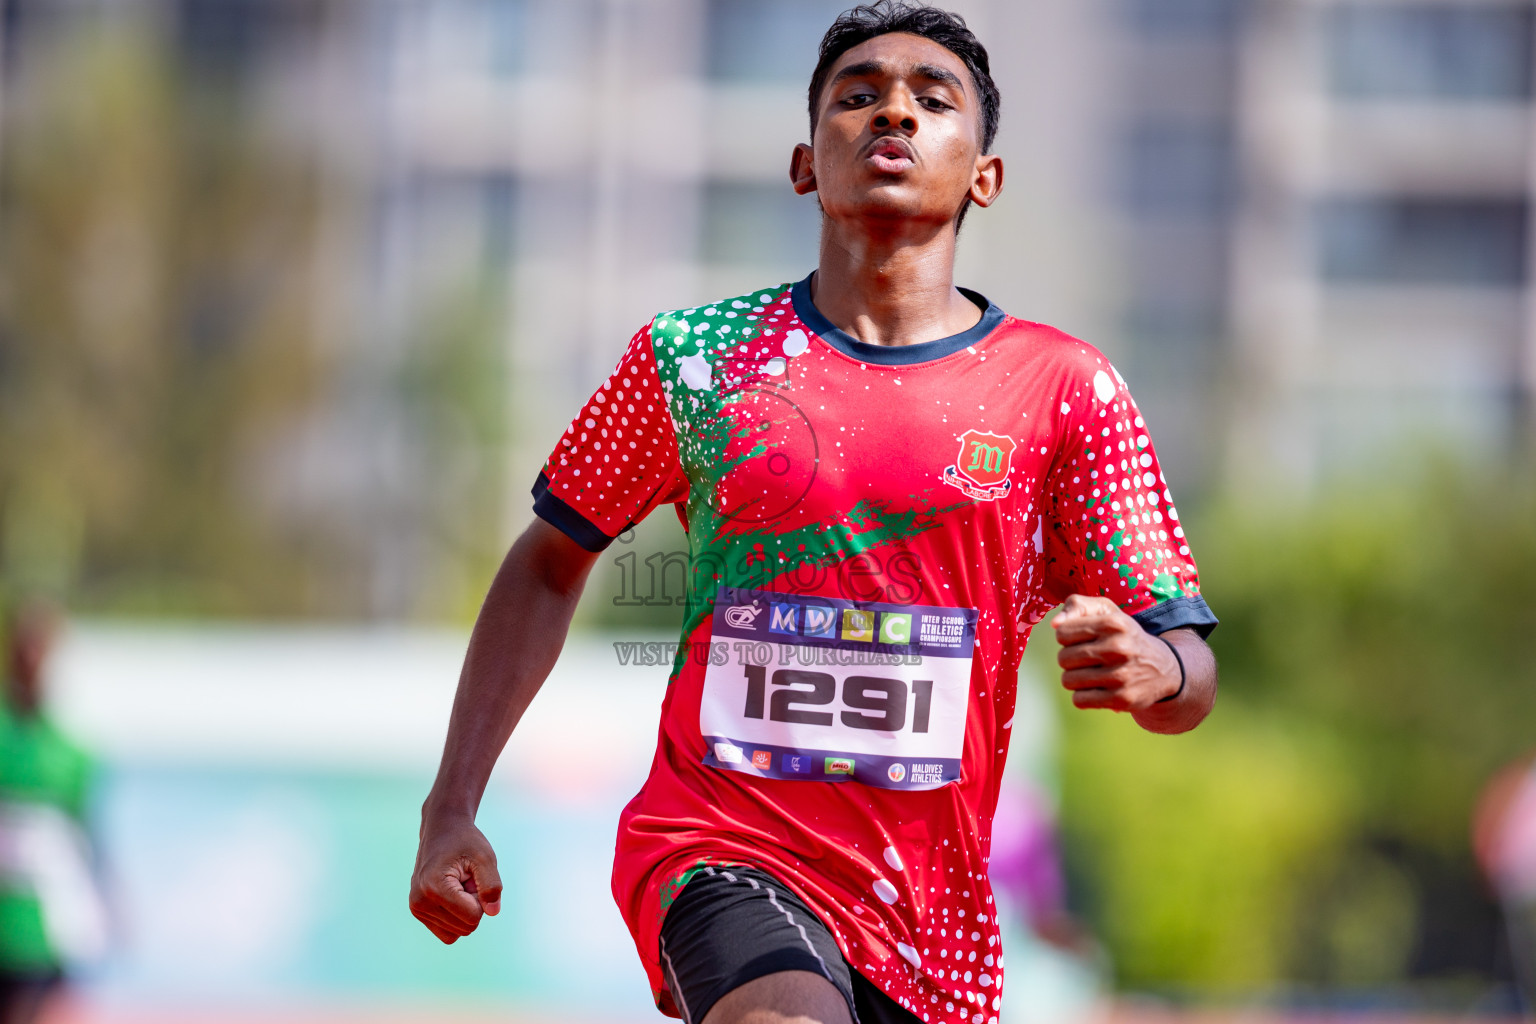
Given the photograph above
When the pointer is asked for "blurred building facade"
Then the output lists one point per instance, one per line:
(1382, 276)
(615, 157)
(649, 143)
(1299, 227)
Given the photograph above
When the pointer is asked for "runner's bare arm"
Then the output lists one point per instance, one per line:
(516, 639)
(1109, 661)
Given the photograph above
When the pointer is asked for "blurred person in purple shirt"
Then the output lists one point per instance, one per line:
(1026, 866)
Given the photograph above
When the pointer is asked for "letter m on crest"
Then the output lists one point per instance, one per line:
(985, 458)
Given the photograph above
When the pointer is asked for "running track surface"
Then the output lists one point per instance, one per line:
(1118, 1013)
(289, 1015)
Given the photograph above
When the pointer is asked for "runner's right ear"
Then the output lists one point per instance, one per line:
(802, 170)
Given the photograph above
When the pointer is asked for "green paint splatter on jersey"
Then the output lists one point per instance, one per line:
(1168, 586)
(674, 886)
(716, 364)
(1102, 518)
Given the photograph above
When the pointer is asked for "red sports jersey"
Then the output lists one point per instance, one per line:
(873, 532)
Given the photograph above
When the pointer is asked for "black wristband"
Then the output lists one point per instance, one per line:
(1176, 694)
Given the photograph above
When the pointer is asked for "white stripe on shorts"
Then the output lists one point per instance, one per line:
(677, 990)
(773, 898)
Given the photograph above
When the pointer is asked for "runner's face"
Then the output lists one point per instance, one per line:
(898, 135)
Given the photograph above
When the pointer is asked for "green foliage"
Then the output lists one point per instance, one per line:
(1400, 622)
(178, 326)
(453, 388)
(1193, 881)
(1376, 671)
(139, 356)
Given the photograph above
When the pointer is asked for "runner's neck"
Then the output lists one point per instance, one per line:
(891, 291)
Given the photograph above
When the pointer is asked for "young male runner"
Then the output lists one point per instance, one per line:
(886, 482)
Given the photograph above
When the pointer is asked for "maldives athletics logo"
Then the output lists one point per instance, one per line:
(981, 468)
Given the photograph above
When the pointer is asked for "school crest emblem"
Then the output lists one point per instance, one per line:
(981, 468)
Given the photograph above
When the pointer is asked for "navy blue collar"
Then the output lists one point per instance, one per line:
(892, 355)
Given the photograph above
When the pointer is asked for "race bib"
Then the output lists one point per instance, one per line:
(825, 690)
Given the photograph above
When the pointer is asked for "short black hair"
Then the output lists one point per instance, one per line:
(946, 28)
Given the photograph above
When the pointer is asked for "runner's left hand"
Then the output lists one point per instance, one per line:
(1108, 660)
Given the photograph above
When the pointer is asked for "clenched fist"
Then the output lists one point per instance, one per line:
(1108, 660)
(455, 881)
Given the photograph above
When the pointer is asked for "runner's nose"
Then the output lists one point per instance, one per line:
(896, 108)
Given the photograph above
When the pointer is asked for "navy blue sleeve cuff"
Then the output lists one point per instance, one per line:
(566, 519)
(1192, 612)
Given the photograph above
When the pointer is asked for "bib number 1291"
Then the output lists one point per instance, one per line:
(838, 691)
(874, 703)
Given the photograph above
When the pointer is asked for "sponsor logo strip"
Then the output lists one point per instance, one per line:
(830, 766)
(845, 625)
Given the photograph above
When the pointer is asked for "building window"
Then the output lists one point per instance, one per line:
(506, 29)
(761, 225)
(498, 198)
(469, 37)
(768, 40)
(1423, 241)
(1178, 167)
(1425, 52)
(230, 37)
(1184, 17)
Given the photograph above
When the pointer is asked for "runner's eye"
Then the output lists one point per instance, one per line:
(933, 103)
(858, 99)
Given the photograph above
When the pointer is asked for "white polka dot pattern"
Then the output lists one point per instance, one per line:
(618, 460)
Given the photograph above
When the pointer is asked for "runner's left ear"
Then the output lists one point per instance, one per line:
(802, 170)
(988, 180)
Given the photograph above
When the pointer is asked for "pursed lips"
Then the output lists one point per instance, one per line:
(892, 155)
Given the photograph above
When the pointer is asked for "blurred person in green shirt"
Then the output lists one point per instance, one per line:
(50, 907)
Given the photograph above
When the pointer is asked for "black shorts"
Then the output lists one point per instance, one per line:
(27, 988)
(733, 925)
